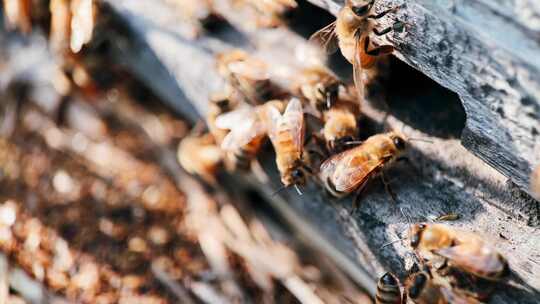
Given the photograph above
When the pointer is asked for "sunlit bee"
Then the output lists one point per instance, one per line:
(269, 13)
(248, 76)
(349, 171)
(388, 291)
(286, 133)
(340, 125)
(247, 132)
(200, 156)
(351, 33)
(219, 104)
(318, 86)
(464, 250)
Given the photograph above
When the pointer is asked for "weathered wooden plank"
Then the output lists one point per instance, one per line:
(443, 177)
(489, 53)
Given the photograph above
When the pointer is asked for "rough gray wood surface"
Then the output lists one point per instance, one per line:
(489, 53)
(490, 77)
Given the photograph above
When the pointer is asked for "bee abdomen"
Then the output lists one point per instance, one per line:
(388, 291)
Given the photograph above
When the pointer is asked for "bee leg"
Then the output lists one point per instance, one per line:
(378, 51)
(356, 199)
(383, 13)
(388, 188)
(383, 32)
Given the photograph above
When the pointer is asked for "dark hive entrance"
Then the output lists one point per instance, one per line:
(420, 102)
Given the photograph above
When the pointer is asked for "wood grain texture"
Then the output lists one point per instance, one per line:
(495, 77)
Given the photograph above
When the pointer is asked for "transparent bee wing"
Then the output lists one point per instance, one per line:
(272, 121)
(326, 38)
(294, 119)
(473, 258)
(358, 71)
(243, 134)
(229, 120)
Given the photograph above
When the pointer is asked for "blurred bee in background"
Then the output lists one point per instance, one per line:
(286, 133)
(461, 249)
(18, 15)
(388, 290)
(340, 125)
(248, 130)
(349, 171)
(72, 23)
(219, 104)
(535, 183)
(270, 13)
(351, 33)
(248, 77)
(200, 156)
(318, 86)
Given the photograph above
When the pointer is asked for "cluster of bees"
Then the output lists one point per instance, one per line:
(253, 107)
(452, 266)
(455, 267)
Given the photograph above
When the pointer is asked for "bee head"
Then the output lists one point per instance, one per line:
(416, 234)
(298, 177)
(389, 280)
(418, 282)
(361, 8)
(399, 142)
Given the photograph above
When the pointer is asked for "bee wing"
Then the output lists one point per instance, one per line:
(451, 296)
(326, 38)
(357, 69)
(272, 120)
(243, 134)
(348, 170)
(475, 259)
(294, 119)
(252, 69)
(231, 119)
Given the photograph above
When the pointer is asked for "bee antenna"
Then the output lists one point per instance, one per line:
(421, 139)
(298, 190)
(390, 243)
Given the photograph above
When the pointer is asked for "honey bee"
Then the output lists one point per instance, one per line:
(349, 171)
(200, 156)
(248, 130)
(286, 133)
(340, 125)
(388, 291)
(248, 76)
(420, 288)
(463, 250)
(350, 32)
(270, 12)
(18, 14)
(318, 86)
(219, 104)
(535, 183)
